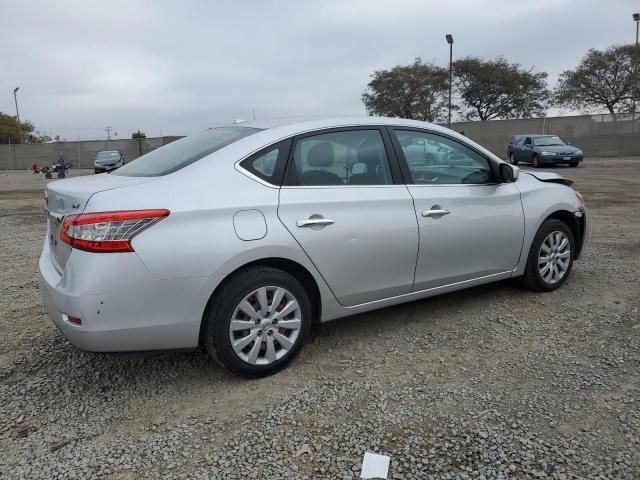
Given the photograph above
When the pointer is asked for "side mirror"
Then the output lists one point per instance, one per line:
(508, 173)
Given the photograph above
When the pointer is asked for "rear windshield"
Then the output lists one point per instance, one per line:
(183, 152)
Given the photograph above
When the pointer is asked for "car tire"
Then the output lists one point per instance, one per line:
(512, 159)
(278, 345)
(536, 161)
(573, 164)
(549, 242)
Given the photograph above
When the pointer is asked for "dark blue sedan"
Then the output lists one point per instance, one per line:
(542, 150)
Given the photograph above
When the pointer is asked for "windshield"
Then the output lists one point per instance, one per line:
(108, 156)
(179, 154)
(548, 141)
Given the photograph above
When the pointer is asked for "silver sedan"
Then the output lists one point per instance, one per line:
(241, 238)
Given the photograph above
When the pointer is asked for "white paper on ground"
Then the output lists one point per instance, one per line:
(375, 466)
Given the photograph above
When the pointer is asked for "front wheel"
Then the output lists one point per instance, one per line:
(536, 161)
(512, 159)
(258, 322)
(573, 164)
(550, 257)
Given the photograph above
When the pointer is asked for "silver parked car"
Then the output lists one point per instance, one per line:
(108, 160)
(240, 238)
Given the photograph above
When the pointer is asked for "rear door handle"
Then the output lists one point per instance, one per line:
(312, 222)
(435, 213)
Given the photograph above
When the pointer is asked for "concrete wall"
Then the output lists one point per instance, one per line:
(80, 154)
(596, 135)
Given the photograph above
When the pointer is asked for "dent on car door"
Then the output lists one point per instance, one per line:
(356, 224)
(470, 226)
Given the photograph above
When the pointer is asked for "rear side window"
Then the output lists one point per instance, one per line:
(350, 157)
(269, 164)
(179, 154)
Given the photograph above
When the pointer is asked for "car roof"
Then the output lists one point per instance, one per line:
(312, 123)
(534, 135)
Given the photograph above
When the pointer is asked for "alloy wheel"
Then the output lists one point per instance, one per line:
(554, 257)
(265, 325)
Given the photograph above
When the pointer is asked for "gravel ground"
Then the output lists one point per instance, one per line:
(490, 382)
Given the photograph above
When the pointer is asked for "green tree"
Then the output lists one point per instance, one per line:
(494, 89)
(138, 134)
(602, 80)
(9, 132)
(418, 91)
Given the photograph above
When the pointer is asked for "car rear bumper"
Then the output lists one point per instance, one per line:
(121, 305)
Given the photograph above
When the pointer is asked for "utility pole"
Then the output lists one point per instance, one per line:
(108, 130)
(449, 38)
(636, 18)
(15, 98)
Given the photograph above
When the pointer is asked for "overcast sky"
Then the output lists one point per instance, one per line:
(179, 67)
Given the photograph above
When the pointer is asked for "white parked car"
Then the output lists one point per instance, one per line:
(240, 238)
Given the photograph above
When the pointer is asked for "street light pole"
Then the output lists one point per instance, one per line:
(15, 98)
(449, 38)
(636, 18)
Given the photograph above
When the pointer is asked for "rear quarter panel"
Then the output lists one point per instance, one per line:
(198, 239)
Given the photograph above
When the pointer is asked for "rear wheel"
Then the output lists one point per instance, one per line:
(258, 322)
(536, 161)
(512, 159)
(550, 257)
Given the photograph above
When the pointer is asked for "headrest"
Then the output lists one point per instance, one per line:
(369, 154)
(320, 155)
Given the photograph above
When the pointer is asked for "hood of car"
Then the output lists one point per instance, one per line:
(560, 149)
(107, 161)
(550, 177)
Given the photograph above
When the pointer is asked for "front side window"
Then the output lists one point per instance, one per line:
(434, 159)
(183, 152)
(527, 141)
(354, 157)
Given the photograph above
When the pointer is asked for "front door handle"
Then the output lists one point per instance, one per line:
(435, 213)
(313, 222)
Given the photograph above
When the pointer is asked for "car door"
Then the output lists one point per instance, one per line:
(516, 148)
(345, 203)
(527, 150)
(470, 225)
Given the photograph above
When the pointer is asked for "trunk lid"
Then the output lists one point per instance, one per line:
(70, 197)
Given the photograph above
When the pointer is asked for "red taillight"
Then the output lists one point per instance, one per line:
(107, 231)
(74, 320)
